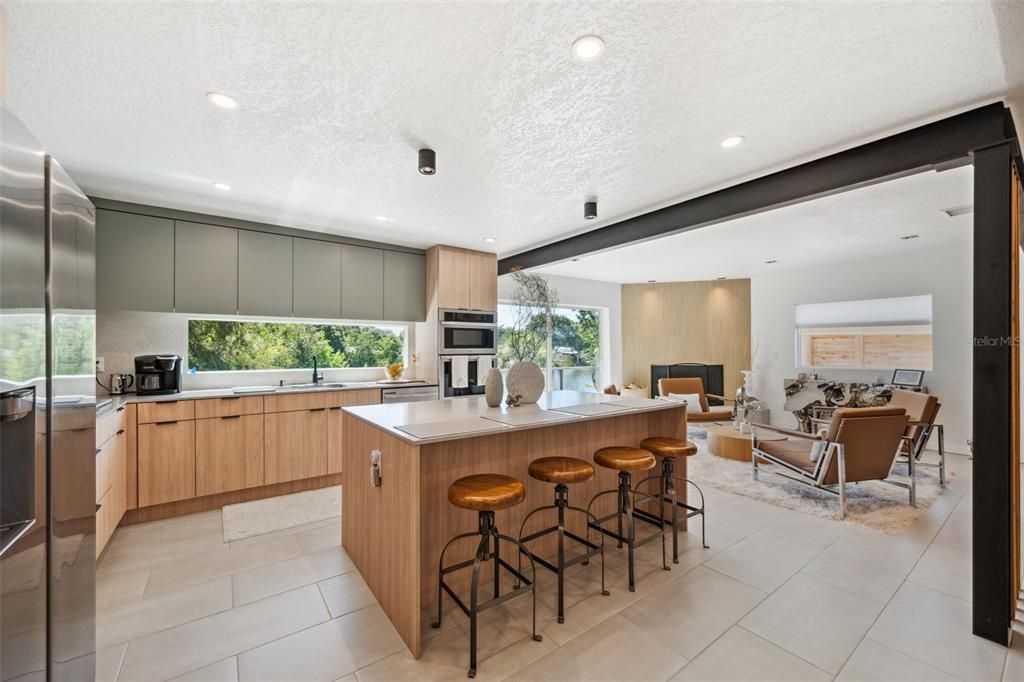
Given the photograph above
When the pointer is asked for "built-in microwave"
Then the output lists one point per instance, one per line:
(467, 332)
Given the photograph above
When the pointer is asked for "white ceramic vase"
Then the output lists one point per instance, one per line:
(494, 387)
(525, 379)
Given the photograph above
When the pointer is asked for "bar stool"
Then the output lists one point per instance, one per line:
(485, 494)
(562, 471)
(669, 449)
(626, 460)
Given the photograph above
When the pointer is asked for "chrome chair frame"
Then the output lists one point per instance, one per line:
(917, 449)
(817, 478)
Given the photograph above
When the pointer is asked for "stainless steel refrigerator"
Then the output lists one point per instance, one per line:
(47, 415)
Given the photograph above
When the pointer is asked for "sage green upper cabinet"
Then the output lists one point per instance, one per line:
(264, 274)
(362, 283)
(405, 297)
(205, 268)
(134, 262)
(317, 279)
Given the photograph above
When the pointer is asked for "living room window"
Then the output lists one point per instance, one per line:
(233, 346)
(886, 333)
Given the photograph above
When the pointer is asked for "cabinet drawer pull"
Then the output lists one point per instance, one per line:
(172, 421)
(98, 507)
(121, 409)
(317, 409)
(119, 432)
(167, 402)
(232, 416)
(99, 450)
(232, 397)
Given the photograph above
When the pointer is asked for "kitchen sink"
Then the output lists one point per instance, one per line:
(306, 387)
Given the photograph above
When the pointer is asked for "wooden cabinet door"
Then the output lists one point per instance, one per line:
(483, 281)
(167, 462)
(370, 396)
(334, 416)
(229, 453)
(295, 445)
(453, 273)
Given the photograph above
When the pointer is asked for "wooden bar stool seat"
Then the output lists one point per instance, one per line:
(626, 460)
(562, 471)
(623, 458)
(484, 494)
(669, 449)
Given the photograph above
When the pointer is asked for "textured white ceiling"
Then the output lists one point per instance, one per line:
(852, 226)
(336, 98)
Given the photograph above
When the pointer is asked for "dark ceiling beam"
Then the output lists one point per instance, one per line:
(938, 144)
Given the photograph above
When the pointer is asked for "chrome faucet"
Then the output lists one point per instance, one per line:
(317, 376)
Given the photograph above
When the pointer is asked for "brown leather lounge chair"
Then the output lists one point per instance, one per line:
(861, 445)
(694, 385)
(922, 409)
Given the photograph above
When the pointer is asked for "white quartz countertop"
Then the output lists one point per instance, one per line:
(452, 419)
(118, 400)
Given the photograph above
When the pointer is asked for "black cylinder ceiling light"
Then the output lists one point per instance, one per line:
(590, 210)
(428, 162)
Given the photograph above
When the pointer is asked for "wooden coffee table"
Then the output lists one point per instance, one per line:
(727, 442)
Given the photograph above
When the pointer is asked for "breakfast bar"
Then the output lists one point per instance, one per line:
(399, 459)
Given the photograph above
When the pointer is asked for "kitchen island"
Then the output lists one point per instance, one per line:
(394, 532)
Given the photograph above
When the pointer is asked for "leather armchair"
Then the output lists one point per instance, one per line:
(691, 385)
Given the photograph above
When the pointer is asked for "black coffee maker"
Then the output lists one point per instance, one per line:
(155, 374)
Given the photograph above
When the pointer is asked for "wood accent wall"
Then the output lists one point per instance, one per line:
(671, 322)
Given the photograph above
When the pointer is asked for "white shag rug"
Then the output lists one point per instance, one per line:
(246, 519)
(874, 504)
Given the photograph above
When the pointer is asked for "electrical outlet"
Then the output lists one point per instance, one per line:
(100, 366)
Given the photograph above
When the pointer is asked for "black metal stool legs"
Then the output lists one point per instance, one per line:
(668, 494)
(488, 533)
(562, 505)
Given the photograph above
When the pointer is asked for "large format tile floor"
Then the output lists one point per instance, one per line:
(779, 596)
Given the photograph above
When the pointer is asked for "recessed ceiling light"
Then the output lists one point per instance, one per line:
(382, 218)
(732, 141)
(909, 236)
(221, 100)
(770, 262)
(489, 240)
(222, 186)
(958, 210)
(588, 48)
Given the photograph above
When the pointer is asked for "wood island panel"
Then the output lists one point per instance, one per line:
(381, 526)
(394, 533)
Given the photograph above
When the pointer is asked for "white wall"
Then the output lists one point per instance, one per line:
(588, 293)
(945, 272)
(120, 336)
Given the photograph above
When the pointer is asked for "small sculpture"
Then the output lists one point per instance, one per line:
(513, 399)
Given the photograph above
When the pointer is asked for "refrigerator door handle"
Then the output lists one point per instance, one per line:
(11, 533)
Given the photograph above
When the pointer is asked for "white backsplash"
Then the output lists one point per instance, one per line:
(120, 336)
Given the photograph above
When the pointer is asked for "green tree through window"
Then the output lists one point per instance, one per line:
(227, 345)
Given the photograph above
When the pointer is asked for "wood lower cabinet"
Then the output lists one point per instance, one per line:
(229, 453)
(167, 462)
(369, 396)
(295, 445)
(111, 484)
